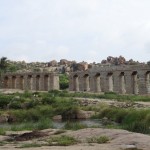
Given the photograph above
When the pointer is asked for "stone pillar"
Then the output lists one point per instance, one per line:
(122, 84)
(148, 83)
(25, 83)
(86, 83)
(33, 83)
(129, 85)
(92, 84)
(143, 83)
(97, 83)
(116, 82)
(76, 83)
(135, 84)
(41, 82)
(54, 82)
(110, 83)
(49, 83)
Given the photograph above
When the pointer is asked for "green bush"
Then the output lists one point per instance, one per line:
(5, 100)
(63, 140)
(137, 126)
(99, 140)
(63, 81)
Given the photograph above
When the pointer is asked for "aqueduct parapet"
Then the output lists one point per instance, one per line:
(120, 79)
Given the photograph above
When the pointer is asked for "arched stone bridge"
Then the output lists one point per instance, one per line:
(30, 81)
(120, 79)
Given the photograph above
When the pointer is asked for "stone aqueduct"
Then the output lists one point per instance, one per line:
(31, 81)
(120, 79)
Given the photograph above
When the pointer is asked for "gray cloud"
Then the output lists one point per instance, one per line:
(90, 30)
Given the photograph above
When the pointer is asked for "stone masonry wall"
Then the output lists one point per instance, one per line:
(120, 79)
(31, 81)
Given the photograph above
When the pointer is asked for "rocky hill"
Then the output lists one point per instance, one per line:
(66, 66)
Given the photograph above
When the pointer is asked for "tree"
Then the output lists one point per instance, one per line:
(3, 64)
(63, 81)
(3, 67)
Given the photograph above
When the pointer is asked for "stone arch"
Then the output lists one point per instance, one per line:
(147, 78)
(122, 83)
(135, 85)
(110, 82)
(13, 82)
(6, 82)
(37, 82)
(46, 81)
(86, 80)
(76, 82)
(97, 83)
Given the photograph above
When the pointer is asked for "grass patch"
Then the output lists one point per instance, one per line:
(74, 126)
(29, 145)
(2, 131)
(2, 143)
(99, 140)
(62, 141)
(44, 123)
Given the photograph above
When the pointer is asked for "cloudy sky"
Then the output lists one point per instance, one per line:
(89, 30)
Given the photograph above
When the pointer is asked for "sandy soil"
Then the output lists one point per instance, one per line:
(119, 139)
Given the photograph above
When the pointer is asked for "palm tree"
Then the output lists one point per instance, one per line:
(3, 64)
(3, 67)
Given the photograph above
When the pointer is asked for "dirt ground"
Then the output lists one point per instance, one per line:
(119, 140)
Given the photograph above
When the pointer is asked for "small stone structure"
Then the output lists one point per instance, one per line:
(125, 79)
(31, 81)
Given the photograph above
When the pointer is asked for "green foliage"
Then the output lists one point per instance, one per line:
(63, 81)
(5, 100)
(63, 140)
(74, 126)
(28, 145)
(3, 64)
(129, 119)
(140, 127)
(65, 107)
(99, 140)
(43, 123)
(2, 131)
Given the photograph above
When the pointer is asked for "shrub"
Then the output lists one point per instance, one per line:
(28, 145)
(62, 141)
(74, 126)
(2, 131)
(99, 140)
(5, 100)
(63, 81)
(139, 127)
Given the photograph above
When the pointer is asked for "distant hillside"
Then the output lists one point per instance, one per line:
(64, 66)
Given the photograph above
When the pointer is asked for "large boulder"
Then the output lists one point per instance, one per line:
(58, 117)
(64, 62)
(81, 114)
(3, 118)
(53, 63)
